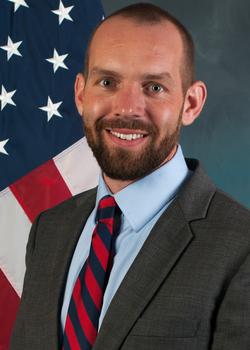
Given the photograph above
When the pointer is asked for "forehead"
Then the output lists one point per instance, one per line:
(123, 40)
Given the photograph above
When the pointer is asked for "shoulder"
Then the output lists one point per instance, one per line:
(228, 220)
(64, 216)
(224, 206)
(208, 206)
(61, 224)
(81, 199)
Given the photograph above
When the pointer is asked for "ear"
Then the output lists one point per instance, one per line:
(194, 101)
(79, 92)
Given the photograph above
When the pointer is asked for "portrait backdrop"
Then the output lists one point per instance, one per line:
(41, 138)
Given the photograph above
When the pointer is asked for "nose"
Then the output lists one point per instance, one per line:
(129, 101)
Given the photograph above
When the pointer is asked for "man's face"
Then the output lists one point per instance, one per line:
(132, 98)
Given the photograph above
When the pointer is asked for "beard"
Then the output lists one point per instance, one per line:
(125, 164)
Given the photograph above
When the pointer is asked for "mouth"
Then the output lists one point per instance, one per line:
(127, 137)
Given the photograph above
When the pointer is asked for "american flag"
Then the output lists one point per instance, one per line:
(44, 157)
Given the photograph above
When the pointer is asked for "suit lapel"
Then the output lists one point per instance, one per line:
(164, 245)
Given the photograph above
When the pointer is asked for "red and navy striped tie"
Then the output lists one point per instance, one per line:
(82, 320)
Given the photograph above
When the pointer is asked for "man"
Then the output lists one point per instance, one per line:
(180, 277)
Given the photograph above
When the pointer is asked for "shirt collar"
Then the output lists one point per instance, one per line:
(143, 199)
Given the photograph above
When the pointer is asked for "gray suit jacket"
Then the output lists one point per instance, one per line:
(188, 288)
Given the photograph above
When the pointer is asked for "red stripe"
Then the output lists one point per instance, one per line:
(9, 302)
(41, 189)
(101, 251)
(93, 287)
(109, 222)
(70, 332)
(107, 202)
(87, 326)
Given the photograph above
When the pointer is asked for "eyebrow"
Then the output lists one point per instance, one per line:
(100, 71)
(146, 76)
(158, 76)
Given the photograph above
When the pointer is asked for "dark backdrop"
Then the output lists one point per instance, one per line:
(220, 137)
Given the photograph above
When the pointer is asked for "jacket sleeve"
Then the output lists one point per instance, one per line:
(18, 338)
(232, 328)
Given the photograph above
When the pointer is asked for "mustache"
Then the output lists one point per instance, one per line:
(125, 123)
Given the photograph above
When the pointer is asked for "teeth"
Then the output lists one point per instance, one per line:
(126, 136)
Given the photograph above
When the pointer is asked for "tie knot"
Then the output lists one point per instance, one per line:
(106, 208)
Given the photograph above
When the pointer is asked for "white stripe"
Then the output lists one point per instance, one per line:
(14, 231)
(78, 167)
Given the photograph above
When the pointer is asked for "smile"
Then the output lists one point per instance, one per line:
(128, 137)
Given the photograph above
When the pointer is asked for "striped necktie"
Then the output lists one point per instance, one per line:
(82, 320)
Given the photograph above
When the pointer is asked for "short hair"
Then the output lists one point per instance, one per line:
(145, 13)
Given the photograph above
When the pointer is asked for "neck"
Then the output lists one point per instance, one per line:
(116, 185)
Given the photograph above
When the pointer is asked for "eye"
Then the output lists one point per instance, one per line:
(155, 88)
(107, 82)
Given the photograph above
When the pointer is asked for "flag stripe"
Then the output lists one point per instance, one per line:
(9, 302)
(14, 231)
(41, 189)
(78, 167)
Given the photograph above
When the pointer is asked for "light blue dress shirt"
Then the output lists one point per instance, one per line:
(141, 203)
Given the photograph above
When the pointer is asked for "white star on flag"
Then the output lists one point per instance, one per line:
(2, 149)
(57, 61)
(19, 3)
(11, 48)
(63, 12)
(51, 109)
(6, 98)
